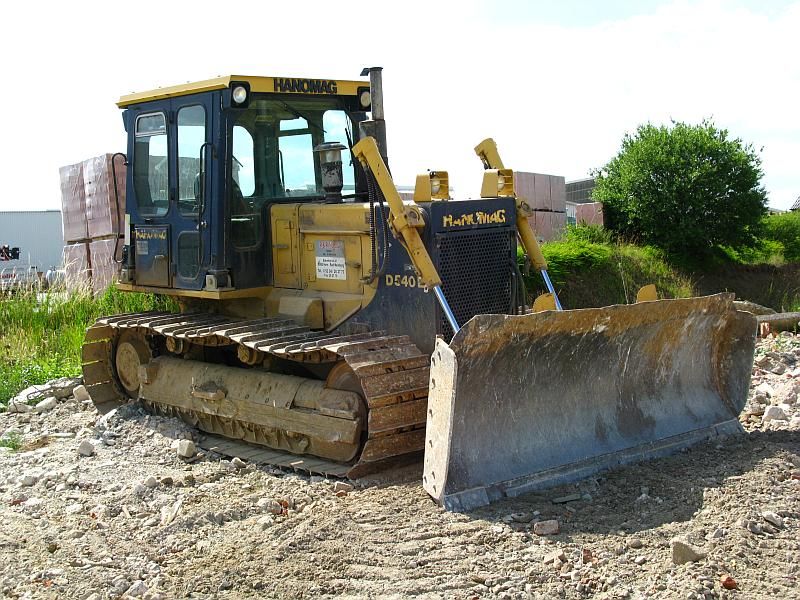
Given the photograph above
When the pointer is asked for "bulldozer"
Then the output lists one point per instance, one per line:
(338, 328)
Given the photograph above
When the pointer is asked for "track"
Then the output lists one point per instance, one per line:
(390, 372)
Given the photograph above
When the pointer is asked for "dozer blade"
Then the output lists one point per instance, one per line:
(519, 403)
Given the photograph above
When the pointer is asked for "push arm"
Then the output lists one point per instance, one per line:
(402, 220)
(490, 157)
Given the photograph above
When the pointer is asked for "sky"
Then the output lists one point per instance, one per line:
(557, 84)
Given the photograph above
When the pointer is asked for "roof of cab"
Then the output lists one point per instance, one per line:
(290, 85)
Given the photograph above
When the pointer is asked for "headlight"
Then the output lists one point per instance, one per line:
(239, 94)
(436, 185)
(365, 98)
(501, 182)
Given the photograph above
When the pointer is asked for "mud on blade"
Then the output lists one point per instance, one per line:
(524, 402)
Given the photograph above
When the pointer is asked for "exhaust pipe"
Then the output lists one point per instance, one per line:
(376, 126)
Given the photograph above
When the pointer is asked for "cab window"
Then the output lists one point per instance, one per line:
(297, 158)
(150, 165)
(245, 213)
(191, 137)
(337, 125)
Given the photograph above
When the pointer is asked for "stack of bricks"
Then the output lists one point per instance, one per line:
(548, 196)
(590, 213)
(93, 217)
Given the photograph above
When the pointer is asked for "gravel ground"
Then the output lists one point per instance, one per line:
(106, 508)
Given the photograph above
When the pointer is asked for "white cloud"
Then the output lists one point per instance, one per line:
(556, 98)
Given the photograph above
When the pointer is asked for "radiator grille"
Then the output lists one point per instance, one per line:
(475, 267)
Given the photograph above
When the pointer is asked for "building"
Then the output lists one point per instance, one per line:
(578, 192)
(37, 234)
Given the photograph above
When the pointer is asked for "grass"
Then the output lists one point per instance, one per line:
(41, 333)
(590, 269)
(11, 440)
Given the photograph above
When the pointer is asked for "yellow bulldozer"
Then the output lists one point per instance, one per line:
(339, 328)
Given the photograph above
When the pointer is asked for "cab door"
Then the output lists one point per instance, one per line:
(193, 155)
(148, 197)
(172, 177)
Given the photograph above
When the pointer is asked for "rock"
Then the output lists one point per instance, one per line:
(86, 448)
(640, 560)
(94, 596)
(773, 518)
(46, 405)
(765, 389)
(789, 391)
(186, 449)
(269, 505)
(565, 499)
(33, 393)
(549, 527)
(773, 413)
(168, 513)
(777, 368)
(265, 521)
(28, 480)
(635, 543)
(63, 387)
(342, 486)
(15, 406)
(521, 517)
(81, 394)
(762, 361)
(138, 588)
(718, 533)
(754, 528)
(103, 423)
(728, 582)
(683, 552)
(238, 463)
(73, 509)
(557, 557)
(150, 482)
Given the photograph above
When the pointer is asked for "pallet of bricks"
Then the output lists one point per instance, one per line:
(547, 194)
(93, 220)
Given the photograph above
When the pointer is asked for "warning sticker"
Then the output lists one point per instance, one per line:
(330, 259)
(141, 247)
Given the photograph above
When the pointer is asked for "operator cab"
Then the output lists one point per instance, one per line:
(207, 161)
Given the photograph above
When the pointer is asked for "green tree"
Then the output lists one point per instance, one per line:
(683, 188)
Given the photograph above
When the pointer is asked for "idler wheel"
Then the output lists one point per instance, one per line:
(131, 353)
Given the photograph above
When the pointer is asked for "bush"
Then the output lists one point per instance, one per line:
(765, 252)
(589, 274)
(685, 189)
(785, 229)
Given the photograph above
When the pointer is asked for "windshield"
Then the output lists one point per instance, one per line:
(273, 142)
